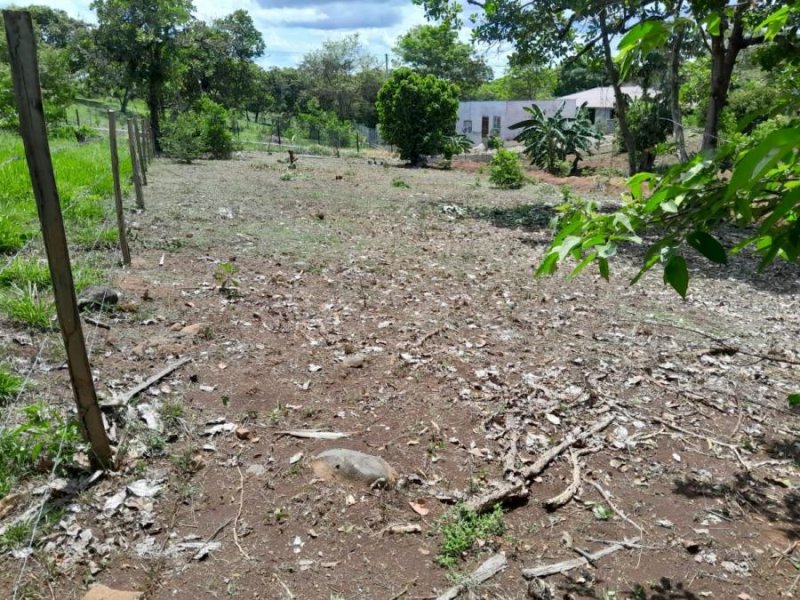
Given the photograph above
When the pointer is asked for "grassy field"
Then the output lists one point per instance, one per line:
(83, 176)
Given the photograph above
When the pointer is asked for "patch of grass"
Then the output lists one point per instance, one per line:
(25, 270)
(30, 306)
(399, 183)
(172, 412)
(20, 534)
(42, 442)
(462, 528)
(10, 385)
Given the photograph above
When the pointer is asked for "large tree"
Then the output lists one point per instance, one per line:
(436, 50)
(339, 75)
(141, 36)
(417, 112)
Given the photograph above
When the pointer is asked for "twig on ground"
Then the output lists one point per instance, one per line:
(488, 569)
(239, 514)
(709, 440)
(130, 395)
(573, 438)
(572, 489)
(568, 565)
(96, 322)
(615, 508)
(516, 491)
(404, 591)
(284, 586)
(507, 492)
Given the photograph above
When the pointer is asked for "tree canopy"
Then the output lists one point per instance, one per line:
(417, 113)
(436, 50)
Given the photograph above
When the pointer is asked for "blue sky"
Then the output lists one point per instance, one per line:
(291, 28)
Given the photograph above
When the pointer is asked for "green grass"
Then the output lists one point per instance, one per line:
(29, 306)
(10, 385)
(462, 528)
(42, 442)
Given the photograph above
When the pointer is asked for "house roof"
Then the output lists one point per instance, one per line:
(602, 97)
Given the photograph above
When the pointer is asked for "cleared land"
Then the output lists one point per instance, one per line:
(335, 297)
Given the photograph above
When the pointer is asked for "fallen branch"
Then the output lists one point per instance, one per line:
(572, 488)
(239, 515)
(96, 322)
(487, 570)
(514, 491)
(510, 459)
(615, 508)
(313, 434)
(506, 493)
(573, 438)
(569, 565)
(130, 395)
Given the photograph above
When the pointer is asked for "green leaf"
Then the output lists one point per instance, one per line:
(789, 201)
(794, 399)
(677, 274)
(548, 265)
(602, 263)
(582, 265)
(774, 22)
(712, 23)
(757, 161)
(635, 184)
(708, 246)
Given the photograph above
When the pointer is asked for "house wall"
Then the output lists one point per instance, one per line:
(603, 120)
(509, 113)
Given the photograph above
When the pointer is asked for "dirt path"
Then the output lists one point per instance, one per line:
(460, 357)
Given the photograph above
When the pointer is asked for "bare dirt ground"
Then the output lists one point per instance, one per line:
(404, 318)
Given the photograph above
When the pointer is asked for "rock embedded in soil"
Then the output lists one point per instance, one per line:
(353, 466)
(101, 592)
(97, 297)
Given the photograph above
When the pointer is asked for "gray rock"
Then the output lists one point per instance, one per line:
(353, 466)
(97, 297)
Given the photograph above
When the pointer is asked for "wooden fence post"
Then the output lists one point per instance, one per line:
(137, 184)
(123, 234)
(142, 159)
(25, 75)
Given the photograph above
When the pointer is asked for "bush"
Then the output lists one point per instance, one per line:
(456, 144)
(416, 113)
(182, 138)
(495, 142)
(201, 130)
(506, 170)
(217, 137)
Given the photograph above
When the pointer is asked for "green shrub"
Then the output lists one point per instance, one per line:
(463, 528)
(182, 138)
(217, 137)
(456, 144)
(495, 142)
(201, 130)
(506, 170)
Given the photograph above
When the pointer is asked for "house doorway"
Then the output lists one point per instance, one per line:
(484, 127)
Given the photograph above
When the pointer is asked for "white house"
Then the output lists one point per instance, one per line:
(480, 119)
(601, 103)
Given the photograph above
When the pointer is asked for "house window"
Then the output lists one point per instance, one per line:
(467, 127)
(496, 124)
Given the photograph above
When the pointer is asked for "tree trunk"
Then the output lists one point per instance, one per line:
(155, 109)
(619, 97)
(723, 60)
(674, 93)
(123, 103)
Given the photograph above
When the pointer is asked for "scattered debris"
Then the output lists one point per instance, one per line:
(313, 434)
(487, 570)
(568, 565)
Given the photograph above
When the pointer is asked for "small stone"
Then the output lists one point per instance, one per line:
(243, 433)
(97, 297)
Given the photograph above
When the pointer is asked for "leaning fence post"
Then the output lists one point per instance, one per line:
(138, 144)
(123, 234)
(137, 184)
(25, 75)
